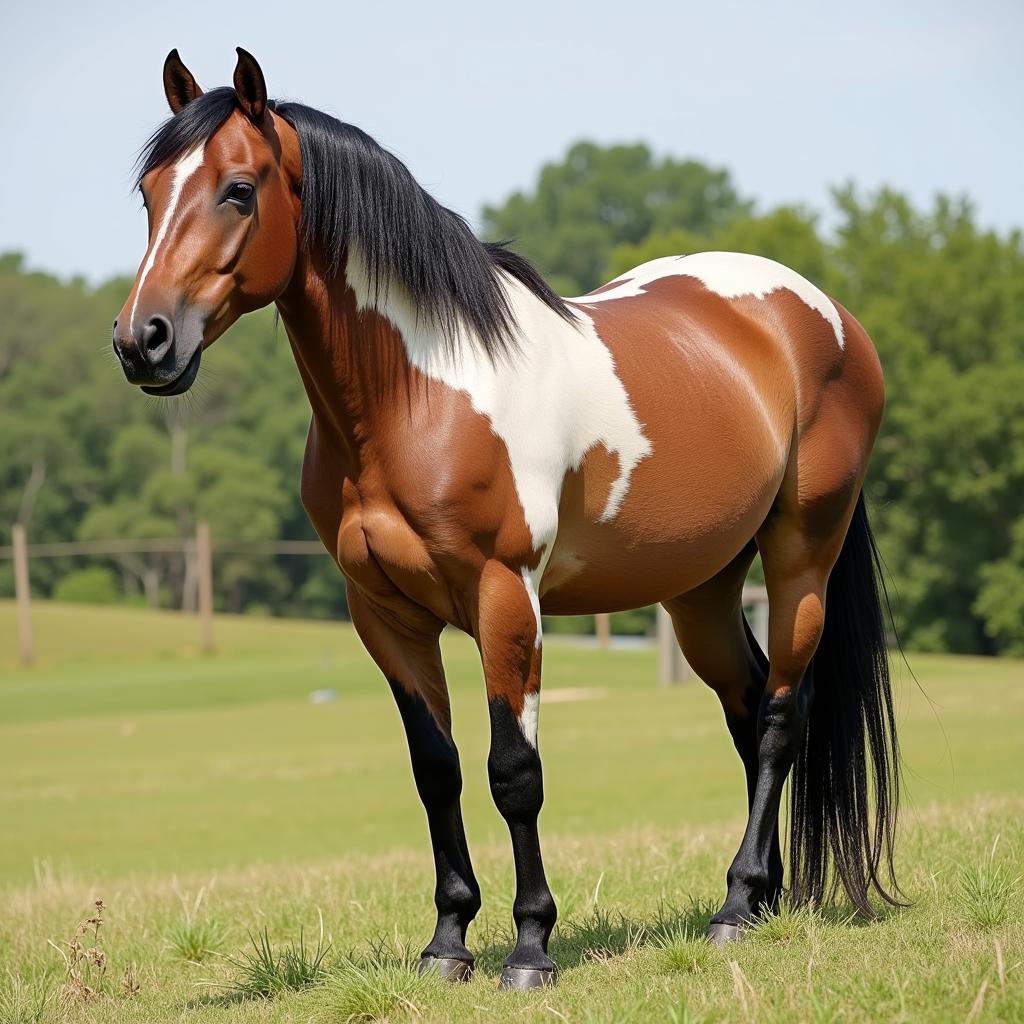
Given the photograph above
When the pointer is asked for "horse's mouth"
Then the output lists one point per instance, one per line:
(180, 384)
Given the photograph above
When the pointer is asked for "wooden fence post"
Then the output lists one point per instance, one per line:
(204, 566)
(22, 593)
(759, 625)
(672, 667)
(603, 630)
(755, 601)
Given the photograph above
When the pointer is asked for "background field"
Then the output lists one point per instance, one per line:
(136, 770)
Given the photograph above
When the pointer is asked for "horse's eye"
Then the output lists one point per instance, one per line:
(240, 193)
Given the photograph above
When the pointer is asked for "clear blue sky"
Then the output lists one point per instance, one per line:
(791, 96)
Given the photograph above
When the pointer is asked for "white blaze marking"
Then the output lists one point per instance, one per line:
(553, 401)
(180, 173)
(530, 581)
(528, 719)
(729, 274)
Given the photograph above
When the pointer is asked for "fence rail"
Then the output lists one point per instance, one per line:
(99, 547)
(672, 667)
(199, 547)
(173, 545)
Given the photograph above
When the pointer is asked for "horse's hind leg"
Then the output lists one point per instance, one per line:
(799, 544)
(405, 647)
(720, 648)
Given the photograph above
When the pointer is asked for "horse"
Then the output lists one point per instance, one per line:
(482, 452)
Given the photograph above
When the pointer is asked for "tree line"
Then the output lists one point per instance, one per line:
(86, 457)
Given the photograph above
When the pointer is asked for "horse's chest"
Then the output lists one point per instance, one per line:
(382, 554)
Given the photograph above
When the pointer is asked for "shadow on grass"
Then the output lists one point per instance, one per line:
(596, 935)
(602, 934)
(845, 915)
(219, 1000)
(599, 934)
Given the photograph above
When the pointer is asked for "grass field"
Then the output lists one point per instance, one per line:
(206, 799)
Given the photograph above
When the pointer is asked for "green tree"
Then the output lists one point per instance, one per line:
(85, 456)
(786, 234)
(943, 300)
(601, 197)
(1000, 601)
(94, 585)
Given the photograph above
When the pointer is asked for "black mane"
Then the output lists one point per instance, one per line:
(355, 192)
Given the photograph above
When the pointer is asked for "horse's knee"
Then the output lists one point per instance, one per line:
(435, 761)
(517, 783)
(517, 795)
(513, 767)
(438, 776)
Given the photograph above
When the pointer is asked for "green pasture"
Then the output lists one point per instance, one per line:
(205, 798)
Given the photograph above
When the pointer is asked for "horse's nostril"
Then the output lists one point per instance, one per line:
(119, 352)
(157, 336)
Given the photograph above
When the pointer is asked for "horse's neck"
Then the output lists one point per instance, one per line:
(315, 311)
(355, 361)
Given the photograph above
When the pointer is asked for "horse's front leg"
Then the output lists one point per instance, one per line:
(509, 635)
(403, 641)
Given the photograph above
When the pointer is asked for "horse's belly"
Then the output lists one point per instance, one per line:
(692, 506)
(604, 569)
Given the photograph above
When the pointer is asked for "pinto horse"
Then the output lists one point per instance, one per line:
(482, 453)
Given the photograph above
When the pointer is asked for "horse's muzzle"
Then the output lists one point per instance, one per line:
(155, 359)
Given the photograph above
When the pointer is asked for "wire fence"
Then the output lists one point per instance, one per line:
(672, 667)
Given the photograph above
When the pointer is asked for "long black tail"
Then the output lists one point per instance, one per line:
(845, 786)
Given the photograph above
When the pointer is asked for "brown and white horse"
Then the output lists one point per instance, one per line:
(482, 452)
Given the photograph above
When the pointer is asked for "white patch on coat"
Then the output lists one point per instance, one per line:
(185, 167)
(553, 401)
(729, 274)
(529, 718)
(531, 581)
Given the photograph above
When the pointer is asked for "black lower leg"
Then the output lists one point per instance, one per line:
(745, 730)
(517, 785)
(744, 735)
(755, 875)
(435, 767)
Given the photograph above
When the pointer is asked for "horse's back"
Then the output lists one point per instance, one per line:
(728, 361)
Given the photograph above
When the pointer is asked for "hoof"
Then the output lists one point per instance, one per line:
(446, 967)
(520, 979)
(720, 933)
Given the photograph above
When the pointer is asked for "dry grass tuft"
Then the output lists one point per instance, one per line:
(84, 967)
(130, 987)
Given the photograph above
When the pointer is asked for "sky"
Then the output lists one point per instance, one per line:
(792, 97)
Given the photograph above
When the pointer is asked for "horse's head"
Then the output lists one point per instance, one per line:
(220, 180)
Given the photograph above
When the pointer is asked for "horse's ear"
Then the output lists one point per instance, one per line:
(179, 85)
(250, 86)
